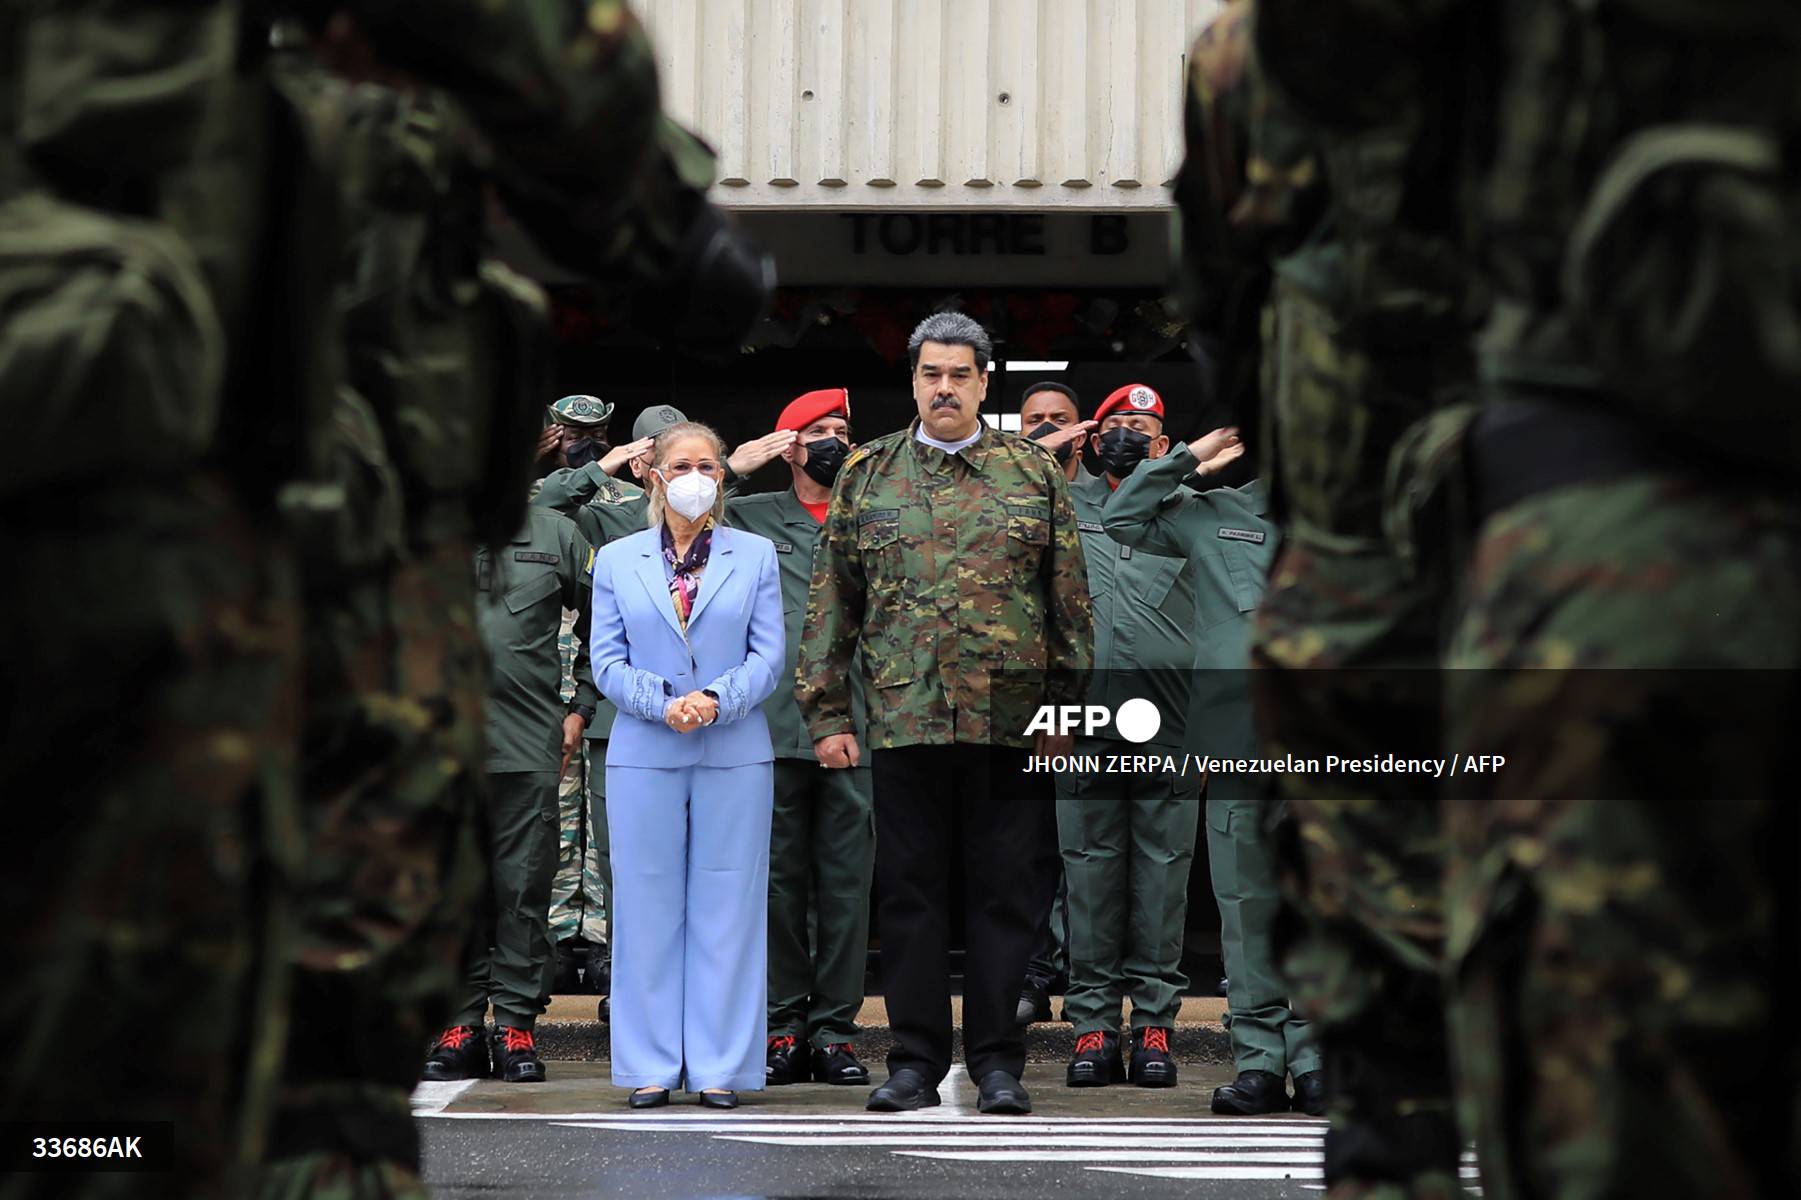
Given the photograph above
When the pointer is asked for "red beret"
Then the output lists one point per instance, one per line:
(1134, 397)
(802, 411)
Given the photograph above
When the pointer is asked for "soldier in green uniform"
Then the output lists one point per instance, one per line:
(576, 436)
(1226, 534)
(521, 591)
(1619, 515)
(1127, 840)
(950, 555)
(822, 838)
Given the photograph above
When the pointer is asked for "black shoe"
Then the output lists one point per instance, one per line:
(1225, 985)
(837, 1063)
(1097, 1062)
(999, 1092)
(656, 1099)
(1152, 1065)
(787, 1062)
(1252, 1094)
(1310, 1093)
(905, 1091)
(461, 1052)
(516, 1056)
(1034, 1001)
(719, 1099)
(606, 1010)
(597, 971)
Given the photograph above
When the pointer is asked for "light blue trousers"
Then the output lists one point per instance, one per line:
(690, 928)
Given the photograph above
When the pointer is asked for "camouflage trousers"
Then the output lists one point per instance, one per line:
(149, 723)
(1623, 892)
(578, 907)
(393, 779)
(1344, 652)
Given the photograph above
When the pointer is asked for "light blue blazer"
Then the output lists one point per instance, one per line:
(733, 647)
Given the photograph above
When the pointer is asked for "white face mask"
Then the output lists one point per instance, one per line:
(692, 494)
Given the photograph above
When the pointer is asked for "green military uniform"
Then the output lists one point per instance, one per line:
(822, 836)
(1128, 839)
(522, 589)
(578, 900)
(1226, 533)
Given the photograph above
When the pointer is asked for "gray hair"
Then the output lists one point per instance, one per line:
(951, 329)
(659, 454)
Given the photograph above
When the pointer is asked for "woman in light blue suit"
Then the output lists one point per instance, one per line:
(687, 641)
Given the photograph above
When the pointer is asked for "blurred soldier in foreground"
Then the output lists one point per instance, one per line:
(555, 107)
(950, 555)
(822, 839)
(1127, 840)
(1364, 333)
(522, 590)
(1622, 899)
(149, 621)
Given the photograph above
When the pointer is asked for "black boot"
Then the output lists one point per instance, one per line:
(838, 1063)
(1034, 1000)
(516, 1056)
(461, 1052)
(786, 1063)
(1097, 1062)
(1252, 1094)
(1152, 1066)
(1310, 1093)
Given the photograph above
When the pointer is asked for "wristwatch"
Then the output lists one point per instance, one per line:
(714, 697)
(584, 711)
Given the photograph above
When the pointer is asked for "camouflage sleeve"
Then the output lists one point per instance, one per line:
(1136, 515)
(578, 594)
(1069, 612)
(567, 94)
(834, 621)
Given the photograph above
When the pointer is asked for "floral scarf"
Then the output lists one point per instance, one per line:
(684, 576)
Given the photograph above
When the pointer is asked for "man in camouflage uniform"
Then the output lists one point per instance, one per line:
(1621, 909)
(148, 801)
(1364, 334)
(822, 837)
(575, 437)
(950, 555)
(522, 590)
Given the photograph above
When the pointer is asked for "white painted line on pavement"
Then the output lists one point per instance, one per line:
(430, 1098)
(1046, 1133)
(1233, 1155)
(973, 1139)
(1218, 1172)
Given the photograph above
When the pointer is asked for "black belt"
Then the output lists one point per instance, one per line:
(1520, 448)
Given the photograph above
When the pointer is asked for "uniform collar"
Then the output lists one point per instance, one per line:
(793, 511)
(975, 454)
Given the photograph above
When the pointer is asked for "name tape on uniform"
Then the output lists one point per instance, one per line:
(1242, 535)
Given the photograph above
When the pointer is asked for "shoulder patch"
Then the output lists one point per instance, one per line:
(1241, 535)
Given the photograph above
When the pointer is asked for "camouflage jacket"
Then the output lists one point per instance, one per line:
(961, 576)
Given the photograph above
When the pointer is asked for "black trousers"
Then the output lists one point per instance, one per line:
(966, 808)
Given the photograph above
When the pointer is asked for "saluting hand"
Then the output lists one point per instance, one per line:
(1069, 433)
(613, 460)
(1214, 451)
(756, 453)
(838, 751)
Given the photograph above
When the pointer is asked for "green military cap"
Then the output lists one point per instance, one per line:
(582, 411)
(655, 420)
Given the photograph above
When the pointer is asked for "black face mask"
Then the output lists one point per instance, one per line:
(824, 457)
(583, 451)
(1043, 430)
(1121, 451)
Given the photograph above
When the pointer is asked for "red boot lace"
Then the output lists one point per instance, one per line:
(456, 1037)
(1091, 1043)
(1156, 1038)
(516, 1040)
(781, 1043)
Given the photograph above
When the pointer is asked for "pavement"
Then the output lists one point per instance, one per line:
(572, 1136)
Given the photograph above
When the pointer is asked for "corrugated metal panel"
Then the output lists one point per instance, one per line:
(871, 104)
